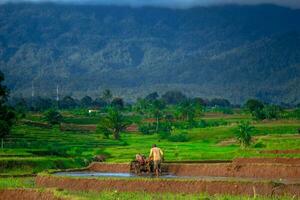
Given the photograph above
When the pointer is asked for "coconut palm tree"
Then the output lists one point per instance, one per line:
(157, 107)
(243, 134)
(113, 124)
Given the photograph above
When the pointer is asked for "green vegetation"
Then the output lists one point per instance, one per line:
(7, 116)
(64, 50)
(53, 117)
(264, 111)
(11, 183)
(216, 52)
(191, 129)
(243, 134)
(31, 149)
(113, 124)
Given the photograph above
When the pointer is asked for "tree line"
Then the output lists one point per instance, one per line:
(107, 99)
(182, 115)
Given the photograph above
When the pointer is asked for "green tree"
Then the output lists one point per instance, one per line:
(220, 102)
(157, 107)
(86, 101)
(296, 114)
(243, 134)
(113, 123)
(253, 105)
(68, 102)
(272, 111)
(21, 108)
(187, 111)
(173, 97)
(40, 104)
(199, 104)
(107, 96)
(152, 96)
(199, 101)
(99, 102)
(53, 117)
(117, 103)
(259, 114)
(141, 105)
(7, 115)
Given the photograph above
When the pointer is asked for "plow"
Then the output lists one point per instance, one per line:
(143, 166)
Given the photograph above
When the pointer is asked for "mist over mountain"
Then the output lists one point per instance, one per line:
(234, 52)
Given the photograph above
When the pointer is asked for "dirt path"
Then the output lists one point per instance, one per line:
(174, 186)
(290, 151)
(286, 161)
(27, 194)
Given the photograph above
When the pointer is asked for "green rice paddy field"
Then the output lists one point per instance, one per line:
(30, 149)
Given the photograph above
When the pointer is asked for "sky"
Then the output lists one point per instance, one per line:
(168, 3)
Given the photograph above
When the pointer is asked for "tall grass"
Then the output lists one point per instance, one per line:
(10, 183)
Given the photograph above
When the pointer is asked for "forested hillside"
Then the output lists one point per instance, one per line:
(233, 52)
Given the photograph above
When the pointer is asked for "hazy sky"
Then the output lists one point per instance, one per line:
(169, 3)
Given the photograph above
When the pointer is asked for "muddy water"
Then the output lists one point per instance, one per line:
(109, 174)
(88, 174)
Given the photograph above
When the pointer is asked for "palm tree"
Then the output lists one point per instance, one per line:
(107, 96)
(157, 107)
(243, 134)
(187, 111)
(113, 124)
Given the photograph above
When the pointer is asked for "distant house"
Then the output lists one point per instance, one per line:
(93, 111)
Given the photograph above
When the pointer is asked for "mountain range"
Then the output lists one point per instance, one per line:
(233, 52)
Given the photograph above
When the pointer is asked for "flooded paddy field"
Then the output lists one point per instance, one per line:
(260, 177)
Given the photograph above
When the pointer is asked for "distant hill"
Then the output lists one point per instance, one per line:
(234, 52)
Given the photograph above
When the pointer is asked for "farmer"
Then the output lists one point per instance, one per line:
(156, 155)
(141, 159)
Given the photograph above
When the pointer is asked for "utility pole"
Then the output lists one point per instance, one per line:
(32, 95)
(57, 95)
(32, 90)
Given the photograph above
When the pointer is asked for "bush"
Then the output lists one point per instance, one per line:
(259, 145)
(181, 137)
(211, 123)
(147, 129)
(164, 134)
(227, 111)
(202, 124)
(296, 114)
(254, 105)
(53, 117)
(259, 114)
(166, 127)
(186, 125)
(272, 111)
